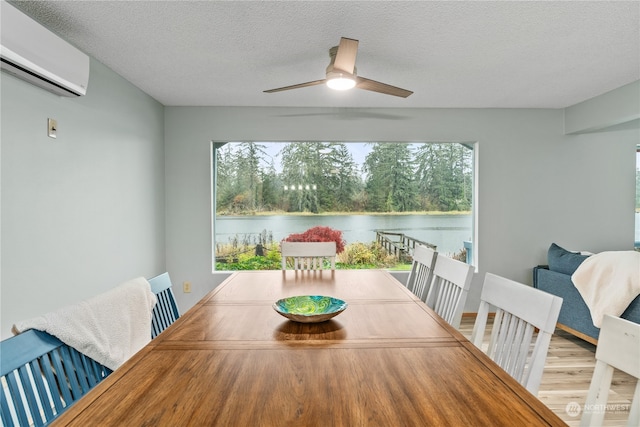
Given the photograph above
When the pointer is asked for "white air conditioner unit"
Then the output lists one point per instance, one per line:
(31, 52)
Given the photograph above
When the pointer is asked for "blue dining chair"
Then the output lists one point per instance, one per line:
(42, 377)
(165, 311)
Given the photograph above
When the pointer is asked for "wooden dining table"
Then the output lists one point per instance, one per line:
(232, 360)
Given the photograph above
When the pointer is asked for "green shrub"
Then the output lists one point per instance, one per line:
(360, 254)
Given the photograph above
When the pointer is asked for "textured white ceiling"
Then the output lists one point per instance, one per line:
(452, 54)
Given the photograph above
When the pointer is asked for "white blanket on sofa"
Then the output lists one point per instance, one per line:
(109, 328)
(608, 282)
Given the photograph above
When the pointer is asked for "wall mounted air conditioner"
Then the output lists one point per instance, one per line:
(31, 52)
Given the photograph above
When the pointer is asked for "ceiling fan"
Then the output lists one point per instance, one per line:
(341, 73)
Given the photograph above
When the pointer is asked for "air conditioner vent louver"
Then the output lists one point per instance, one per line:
(31, 52)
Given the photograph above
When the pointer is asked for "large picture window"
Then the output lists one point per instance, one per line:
(265, 191)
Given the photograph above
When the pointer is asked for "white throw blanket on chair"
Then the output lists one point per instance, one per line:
(109, 328)
(608, 282)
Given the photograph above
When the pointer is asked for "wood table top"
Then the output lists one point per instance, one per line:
(387, 360)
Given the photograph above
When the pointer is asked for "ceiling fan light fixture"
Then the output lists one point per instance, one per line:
(341, 81)
(341, 73)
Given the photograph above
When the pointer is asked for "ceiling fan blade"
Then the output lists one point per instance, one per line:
(280, 89)
(346, 55)
(375, 86)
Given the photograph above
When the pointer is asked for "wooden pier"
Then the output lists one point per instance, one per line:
(399, 244)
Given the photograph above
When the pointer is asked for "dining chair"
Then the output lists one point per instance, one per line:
(520, 311)
(41, 377)
(449, 288)
(166, 310)
(619, 348)
(424, 258)
(308, 255)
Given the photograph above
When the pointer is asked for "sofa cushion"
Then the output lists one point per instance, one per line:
(562, 260)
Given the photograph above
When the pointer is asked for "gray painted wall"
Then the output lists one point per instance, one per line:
(617, 108)
(84, 212)
(106, 202)
(536, 185)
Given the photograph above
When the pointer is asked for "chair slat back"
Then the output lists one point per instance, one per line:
(521, 310)
(41, 377)
(618, 348)
(166, 310)
(424, 259)
(449, 289)
(308, 255)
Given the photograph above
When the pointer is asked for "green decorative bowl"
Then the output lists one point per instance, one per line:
(309, 308)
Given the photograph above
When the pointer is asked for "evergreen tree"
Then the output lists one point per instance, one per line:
(271, 188)
(340, 178)
(249, 158)
(444, 174)
(300, 176)
(323, 174)
(389, 184)
(225, 177)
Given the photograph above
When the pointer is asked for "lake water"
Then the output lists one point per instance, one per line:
(447, 232)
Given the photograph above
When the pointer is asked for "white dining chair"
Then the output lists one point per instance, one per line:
(618, 348)
(520, 310)
(308, 255)
(424, 259)
(449, 288)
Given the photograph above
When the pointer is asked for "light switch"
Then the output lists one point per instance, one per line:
(52, 128)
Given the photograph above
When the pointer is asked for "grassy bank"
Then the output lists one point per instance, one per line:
(278, 213)
(268, 257)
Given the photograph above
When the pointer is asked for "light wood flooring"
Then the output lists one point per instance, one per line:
(567, 376)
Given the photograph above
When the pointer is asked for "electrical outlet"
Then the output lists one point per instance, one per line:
(186, 287)
(52, 128)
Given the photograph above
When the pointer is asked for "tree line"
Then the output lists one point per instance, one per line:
(324, 177)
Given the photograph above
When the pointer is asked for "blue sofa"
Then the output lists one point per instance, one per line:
(575, 317)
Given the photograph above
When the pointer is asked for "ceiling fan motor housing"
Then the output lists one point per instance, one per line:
(337, 73)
